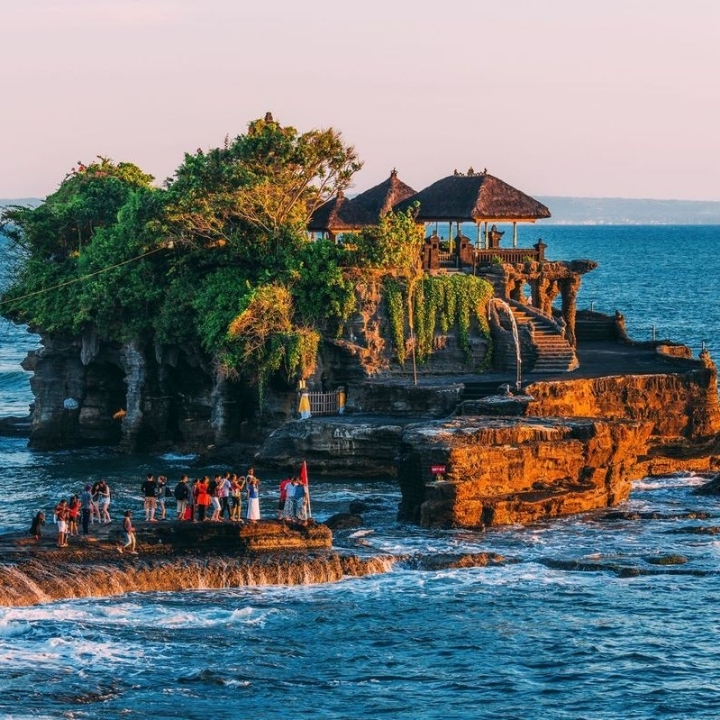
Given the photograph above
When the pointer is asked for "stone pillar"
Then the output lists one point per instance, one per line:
(219, 419)
(135, 365)
(569, 288)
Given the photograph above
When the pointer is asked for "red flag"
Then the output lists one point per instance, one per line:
(304, 474)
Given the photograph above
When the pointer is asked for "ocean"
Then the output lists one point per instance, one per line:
(582, 621)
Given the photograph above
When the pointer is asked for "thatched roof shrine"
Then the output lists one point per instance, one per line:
(475, 197)
(382, 198)
(340, 214)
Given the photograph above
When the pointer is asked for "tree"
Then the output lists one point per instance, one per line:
(257, 192)
(89, 198)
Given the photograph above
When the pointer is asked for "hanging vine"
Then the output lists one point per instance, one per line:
(395, 304)
(439, 304)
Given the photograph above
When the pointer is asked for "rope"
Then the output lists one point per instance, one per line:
(79, 279)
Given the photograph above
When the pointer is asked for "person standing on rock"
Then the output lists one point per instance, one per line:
(149, 491)
(182, 492)
(301, 501)
(214, 491)
(224, 491)
(61, 513)
(86, 501)
(160, 495)
(95, 508)
(202, 497)
(104, 501)
(237, 485)
(284, 485)
(129, 531)
(253, 496)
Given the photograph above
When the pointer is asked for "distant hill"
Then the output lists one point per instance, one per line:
(30, 202)
(621, 211)
(591, 211)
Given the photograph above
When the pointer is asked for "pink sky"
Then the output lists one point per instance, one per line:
(611, 98)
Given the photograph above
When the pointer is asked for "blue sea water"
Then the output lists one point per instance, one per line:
(534, 638)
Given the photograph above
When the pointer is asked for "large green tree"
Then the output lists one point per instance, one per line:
(255, 194)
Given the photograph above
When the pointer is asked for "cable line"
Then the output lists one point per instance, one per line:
(79, 279)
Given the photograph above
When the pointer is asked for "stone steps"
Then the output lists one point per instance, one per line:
(553, 352)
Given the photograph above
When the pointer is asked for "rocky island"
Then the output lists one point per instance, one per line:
(346, 332)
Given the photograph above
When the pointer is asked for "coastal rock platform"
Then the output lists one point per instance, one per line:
(500, 471)
(172, 556)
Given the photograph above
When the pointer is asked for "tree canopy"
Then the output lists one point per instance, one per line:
(218, 257)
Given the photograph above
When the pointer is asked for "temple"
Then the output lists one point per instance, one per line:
(524, 280)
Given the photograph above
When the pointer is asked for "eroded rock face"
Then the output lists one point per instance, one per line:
(508, 470)
(678, 405)
(338, 446)
(89, 392)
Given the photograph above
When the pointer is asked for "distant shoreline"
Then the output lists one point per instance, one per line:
(590, 211)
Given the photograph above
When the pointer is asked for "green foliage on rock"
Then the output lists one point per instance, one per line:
(440, 303)
(219, 259)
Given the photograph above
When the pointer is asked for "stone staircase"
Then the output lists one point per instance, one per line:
(554, 354)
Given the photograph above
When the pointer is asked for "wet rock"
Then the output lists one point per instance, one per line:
(344, 521)
(667, 560)
(696, 530)
(33, 572)
(712, 487)
(445, 561)
(341, 446)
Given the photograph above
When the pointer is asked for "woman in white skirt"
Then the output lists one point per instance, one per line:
(253, 498)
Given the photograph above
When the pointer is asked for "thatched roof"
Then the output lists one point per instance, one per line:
(340, 214)
(475, 197)
(379, 200)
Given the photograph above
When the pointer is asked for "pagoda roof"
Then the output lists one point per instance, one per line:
(473, 198)
(340, 214)
(382, 198)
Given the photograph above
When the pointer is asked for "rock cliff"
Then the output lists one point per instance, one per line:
(497, 471)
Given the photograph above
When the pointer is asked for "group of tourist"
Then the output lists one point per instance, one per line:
(90, 506)
(213, 499)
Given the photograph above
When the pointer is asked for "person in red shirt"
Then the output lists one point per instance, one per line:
(202, 497)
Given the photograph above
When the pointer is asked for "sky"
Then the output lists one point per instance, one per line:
(591, 98)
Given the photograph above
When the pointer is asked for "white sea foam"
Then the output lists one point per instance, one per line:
(178, 458)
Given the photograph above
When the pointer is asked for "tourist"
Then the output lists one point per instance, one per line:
(61, 518)
(224, 496)
(73, 513)
(284, 484)
(190, 512)
(37, 525)
(202, 497)
(182, 493)
(253, 497)
(86, 501)
(300, 499)
(295, 509)
(129, 531)
(104, 501)
(160, 495)
(149, 491)
(95, 510)
(214, 490)
(237, 485)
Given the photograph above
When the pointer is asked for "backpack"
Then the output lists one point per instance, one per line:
(182, 491)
